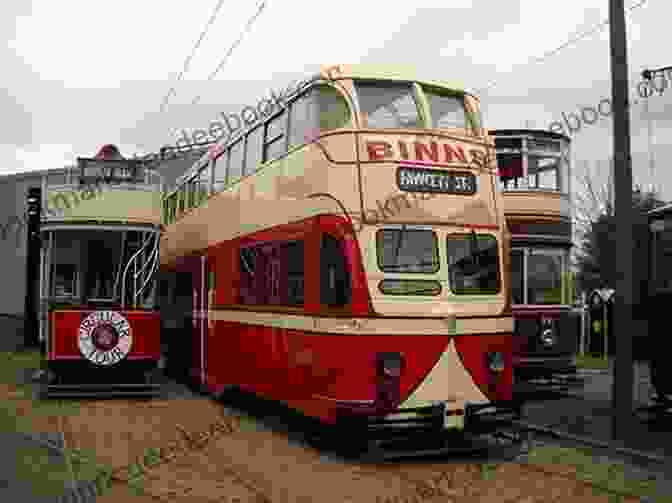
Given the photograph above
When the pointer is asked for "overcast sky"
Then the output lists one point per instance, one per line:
(79, 74)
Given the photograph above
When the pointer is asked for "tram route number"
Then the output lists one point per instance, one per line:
(435, 181)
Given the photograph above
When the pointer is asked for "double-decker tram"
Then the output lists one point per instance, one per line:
(347, 255)
(534, 175)
(100, 233)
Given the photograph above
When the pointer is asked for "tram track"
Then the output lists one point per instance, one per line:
(422, 482)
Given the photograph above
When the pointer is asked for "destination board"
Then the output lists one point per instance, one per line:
(411, 179)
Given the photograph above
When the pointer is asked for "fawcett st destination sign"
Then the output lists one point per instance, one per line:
(412, 179)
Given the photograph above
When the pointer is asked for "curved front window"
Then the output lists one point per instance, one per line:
(388, 106)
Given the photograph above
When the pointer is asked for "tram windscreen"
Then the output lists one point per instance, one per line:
(473, 264)
(544, 278)
(388, 106)
(448, 112)
(407, 251)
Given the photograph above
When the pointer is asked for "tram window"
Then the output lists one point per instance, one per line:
(510, 169)
(335, 276)
(220, 172)
(386, 105)
(543, 172)
(294, 256)
(272, 274)
(544, 277)
(274, 137)
(204, 177)
(407, 251)
(517, 279)
(303, 121)
(248, 270)
(473, 264)
(235, 162)
(253, 150)
(448, 112)
(64, 280)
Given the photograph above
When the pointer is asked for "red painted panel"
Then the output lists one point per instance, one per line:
(293, 366)
(145, 329)
(473, 351)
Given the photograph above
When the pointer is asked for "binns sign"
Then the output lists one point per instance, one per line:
(432, 152)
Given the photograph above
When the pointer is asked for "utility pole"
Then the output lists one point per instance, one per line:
(622, 329)
(33, 213)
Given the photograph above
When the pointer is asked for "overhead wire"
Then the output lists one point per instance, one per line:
(538, 59)
(221, 64)
(187, 61)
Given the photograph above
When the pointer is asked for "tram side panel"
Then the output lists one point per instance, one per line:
(323, 366)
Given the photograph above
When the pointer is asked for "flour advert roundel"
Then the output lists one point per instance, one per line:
(105, 337)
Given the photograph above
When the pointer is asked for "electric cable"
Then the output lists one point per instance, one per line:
(187, 62)
(221, 64)
(538, 59)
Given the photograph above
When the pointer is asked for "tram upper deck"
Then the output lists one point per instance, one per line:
(406, 161)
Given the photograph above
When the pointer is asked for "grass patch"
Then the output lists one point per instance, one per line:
(591, 362)
(605, 476)
(18, 397)
(48, 475)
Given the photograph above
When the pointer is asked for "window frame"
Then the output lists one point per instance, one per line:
(500, 279)
(403, 231)
(417, 94)
(543, 250)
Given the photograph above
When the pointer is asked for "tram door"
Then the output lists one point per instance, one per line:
(199, 322)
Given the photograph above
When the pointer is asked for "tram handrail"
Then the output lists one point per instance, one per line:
(138, 273)
(128, 265)
(154, 258)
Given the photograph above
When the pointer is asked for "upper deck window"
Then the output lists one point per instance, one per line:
(387, 105)
(473, 264)
(407, 251)
(322, 108)
(448, 112)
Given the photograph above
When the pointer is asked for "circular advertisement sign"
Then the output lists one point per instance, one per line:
(105, 337)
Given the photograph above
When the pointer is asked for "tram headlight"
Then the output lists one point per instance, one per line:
(548, 336)
(496, 362)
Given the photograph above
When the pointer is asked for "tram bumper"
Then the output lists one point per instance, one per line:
(491, 417)
(441, 417)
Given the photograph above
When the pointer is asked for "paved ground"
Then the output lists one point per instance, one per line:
(587, 412)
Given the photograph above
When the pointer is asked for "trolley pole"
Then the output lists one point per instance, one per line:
(622, 326)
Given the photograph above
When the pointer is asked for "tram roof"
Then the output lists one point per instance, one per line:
(388, 72)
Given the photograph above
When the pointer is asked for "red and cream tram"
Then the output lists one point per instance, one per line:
(347, 256)
(100, 233)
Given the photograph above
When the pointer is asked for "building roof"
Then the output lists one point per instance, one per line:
(17, 177)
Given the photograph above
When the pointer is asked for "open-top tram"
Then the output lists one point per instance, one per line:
(347, 256)
(100, 235)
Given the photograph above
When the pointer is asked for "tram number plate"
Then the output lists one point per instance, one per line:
(435, 181)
